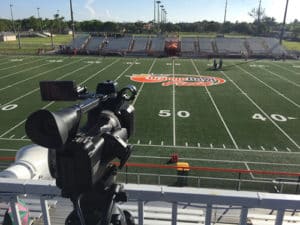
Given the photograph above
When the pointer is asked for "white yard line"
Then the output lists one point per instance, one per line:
(217, 109)
(263, 112)
(46, 106)
(273, 89)
(215, 160)
(141, 87)
(174, 106)
(38, 75)
(281, 77)
(36, 89)
(6, 68)
(28, 69)
(291, 71)
(248, 168)
(215, 148)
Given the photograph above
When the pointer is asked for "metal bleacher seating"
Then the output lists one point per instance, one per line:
(157, 45)
(230, 45)
(188, 46)
(274, 47)
(94, 44)
(256, 46)
(79, 42)
(117, 45)
(139, 46)
(205, 45)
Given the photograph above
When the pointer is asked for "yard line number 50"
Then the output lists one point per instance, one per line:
(168, 113)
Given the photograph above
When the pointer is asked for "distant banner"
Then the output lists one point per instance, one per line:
(178, 80)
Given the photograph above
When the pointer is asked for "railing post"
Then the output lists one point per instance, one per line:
(158, 179)
(243, 216)
(198, 181)
(174, 213)
(208, 214)
(238, 188)
(15, 210)
(141, 212)
(297, 187)
(279, 217)
(45, 211)
(138, 178)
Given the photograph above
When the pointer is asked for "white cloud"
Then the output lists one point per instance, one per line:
(90, 8)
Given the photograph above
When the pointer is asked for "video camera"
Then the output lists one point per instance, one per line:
(80, 156)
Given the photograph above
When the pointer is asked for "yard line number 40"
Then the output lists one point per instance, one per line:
(276, 117)
(8, 107)
(168, 113)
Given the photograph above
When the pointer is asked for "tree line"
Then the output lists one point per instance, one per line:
(264, 26)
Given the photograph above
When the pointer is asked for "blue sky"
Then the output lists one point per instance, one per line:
(133, 10)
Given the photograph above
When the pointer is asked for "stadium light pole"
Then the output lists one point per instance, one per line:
(38, 13)
(284, 21)
(161, 13)
(12, 18)
(259, 12)
(158, 2)
(154, 20)
(225, 14)
(59, 26)
(72, 19)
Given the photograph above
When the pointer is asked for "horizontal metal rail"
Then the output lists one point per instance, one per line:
(10, 189)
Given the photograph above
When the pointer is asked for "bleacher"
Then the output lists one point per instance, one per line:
(256, 46)
(139, 46)
(205, 46)
(94, 45)
(273, 46)
(117, 46)
(157, 46)
(230, 45)
(188, 47)
(79, 42)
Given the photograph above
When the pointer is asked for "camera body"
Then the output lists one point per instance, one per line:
(81, 156)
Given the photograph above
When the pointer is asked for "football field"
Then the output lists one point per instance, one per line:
(245, 117)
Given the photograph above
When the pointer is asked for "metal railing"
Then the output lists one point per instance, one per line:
(10, 189)
(268, 185)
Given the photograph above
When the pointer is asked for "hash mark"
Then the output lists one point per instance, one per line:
(249, 147)
(199, 145)
(262, 148)
(150, 142)
(23, 137)
(186, 144)
(275, 149)
(211, 146)
(288, 149)
(11, 136)
(162, 143)
(138, 142)
(224, 146)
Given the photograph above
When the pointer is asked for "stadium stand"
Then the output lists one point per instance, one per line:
(256, 46)
(156, 46)
(94, 45)
(230, 46)
(116, 46)
(274, 47)
(79, 42)
(205, 46)
(188, 47)
(139, 46)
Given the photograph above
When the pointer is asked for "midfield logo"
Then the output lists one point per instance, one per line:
(178, 80)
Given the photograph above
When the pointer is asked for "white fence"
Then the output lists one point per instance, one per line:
(10, 190)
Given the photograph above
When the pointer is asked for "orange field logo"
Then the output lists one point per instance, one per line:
(178, 80)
